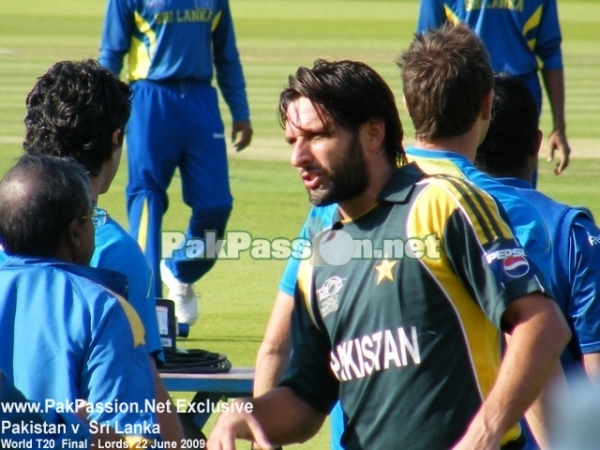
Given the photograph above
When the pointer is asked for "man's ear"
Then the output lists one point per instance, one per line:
(405, 104)
(538, 141)
(117, 141)
(374, 131)
(486, 105)
(72, 234)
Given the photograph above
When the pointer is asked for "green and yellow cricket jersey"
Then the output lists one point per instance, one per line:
(398, 313)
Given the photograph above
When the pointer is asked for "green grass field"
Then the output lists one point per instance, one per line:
(274, 38)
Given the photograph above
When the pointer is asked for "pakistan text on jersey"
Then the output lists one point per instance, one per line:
(365, 355)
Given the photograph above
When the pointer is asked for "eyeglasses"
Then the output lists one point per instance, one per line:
(98, 217)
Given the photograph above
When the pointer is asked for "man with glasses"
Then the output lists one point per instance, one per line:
(79, 110)
(64, 337)
(98, 216)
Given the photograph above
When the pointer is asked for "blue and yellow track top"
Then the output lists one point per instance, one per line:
(175, 41)
(522, 36)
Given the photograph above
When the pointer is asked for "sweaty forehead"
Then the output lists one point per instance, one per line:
(302, 115)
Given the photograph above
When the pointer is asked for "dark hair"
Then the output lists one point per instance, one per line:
(350, 93)
(512, 135)
(446, 74)
(39, 197)
(73, 110)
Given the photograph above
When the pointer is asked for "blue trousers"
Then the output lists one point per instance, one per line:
(176, 125)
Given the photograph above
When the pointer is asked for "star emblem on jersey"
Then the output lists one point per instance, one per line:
(384, 270)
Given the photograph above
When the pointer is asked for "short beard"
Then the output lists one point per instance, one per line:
(348, 179)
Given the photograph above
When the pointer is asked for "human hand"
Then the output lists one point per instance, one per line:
(232, 425)
(558, 141)
(470, 442)
(243, 128)
(479, 436)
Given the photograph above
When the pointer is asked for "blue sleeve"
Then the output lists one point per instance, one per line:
(230, 75)
(116, 34)
(431, 15)
(117, 250)
(142, 297)
(584, 308)
(549, 38)
(76, 429)
(318, 219)
(290, 273)
(117, 370)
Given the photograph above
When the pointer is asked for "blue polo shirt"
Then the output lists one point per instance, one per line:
(65, 337)
(118, 250)
(575, 270)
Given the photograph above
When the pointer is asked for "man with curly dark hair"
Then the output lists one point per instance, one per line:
(79, 110)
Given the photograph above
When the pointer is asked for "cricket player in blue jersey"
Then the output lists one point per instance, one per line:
(460, 84)
(452, 64)
(175, 123)
(509, 153)
(57, 123)
(48, 426)
(80, 109)
(65, 337)
(522, 37)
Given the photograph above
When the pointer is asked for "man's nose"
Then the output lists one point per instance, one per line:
(301, 153)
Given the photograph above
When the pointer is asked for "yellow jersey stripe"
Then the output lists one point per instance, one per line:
(474, 323)
(137, 327)
(533, 21)
(480, 212)
(437, 166)
(216, 21)
(484, 207)
(143, 230)
(140, 55)
(305, 274)
(477, 329)
(487, 209)
(451, 16)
